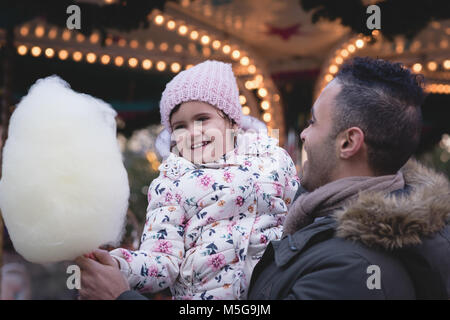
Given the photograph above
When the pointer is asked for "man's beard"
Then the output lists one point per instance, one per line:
(320, 166)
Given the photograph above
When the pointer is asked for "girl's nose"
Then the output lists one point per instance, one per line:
(195, 130)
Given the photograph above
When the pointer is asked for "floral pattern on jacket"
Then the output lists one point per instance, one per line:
(208, 225)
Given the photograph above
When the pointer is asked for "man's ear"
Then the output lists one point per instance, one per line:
(350, 142)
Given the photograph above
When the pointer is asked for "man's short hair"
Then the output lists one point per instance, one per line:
(384, 100)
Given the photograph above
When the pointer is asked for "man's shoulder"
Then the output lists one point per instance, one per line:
(327, 267)
(327, 246)
(318, 246)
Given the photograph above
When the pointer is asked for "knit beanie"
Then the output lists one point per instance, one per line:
(212, 82)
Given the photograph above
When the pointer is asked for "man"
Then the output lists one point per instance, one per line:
(369, 226)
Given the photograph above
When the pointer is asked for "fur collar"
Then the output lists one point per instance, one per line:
(392, 222)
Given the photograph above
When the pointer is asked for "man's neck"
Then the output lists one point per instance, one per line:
(354, 169)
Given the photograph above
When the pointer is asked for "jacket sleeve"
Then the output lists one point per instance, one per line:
(131, 295)
(292, 181)
(337, 278)
(155, 265)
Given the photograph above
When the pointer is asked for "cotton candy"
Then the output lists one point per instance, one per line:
(64, 190)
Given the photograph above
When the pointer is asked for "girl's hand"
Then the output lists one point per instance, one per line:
(91, 255)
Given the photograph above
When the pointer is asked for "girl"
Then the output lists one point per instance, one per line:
(218, 203)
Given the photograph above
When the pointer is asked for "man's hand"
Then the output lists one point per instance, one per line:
(101, 279)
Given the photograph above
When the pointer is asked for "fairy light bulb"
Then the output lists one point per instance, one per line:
(432, 66)
(359, 43)
(132, 62)
(108, 41)
(63, 54)
(333, 69)
(24, 31)
(216, 44)
(149, 45)
(22, 50)
(77, 56)
(122, 42)
(66, 35)
(161, 66)
(417, 67)
(171, 25)
(134, 44)
(175, 67)
(446, 64)
(80, 37)
(91, 57)
(246, 110)
(36, 51)
(249, 85)
(118, 61)
(105, 59)
(226, 49)
(245, 61)
(267, 117)
(265, 105)
(163, 46)
(94, 38)
(262, 92)
(52, 33)
(205, 39)
(49, 52)
(39, 31)
(182, 30)
(159, 19)
(146, 64)
(194, 35)
(178, 48)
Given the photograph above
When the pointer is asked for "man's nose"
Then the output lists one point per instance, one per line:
(303, 135)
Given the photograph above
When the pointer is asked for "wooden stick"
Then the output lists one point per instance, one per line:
(1, 252)
(4, 116)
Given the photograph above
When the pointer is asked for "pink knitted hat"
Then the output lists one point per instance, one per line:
(211, 81)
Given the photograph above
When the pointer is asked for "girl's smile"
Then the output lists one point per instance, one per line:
(201, 144)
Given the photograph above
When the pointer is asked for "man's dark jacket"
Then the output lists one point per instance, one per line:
(402, 238)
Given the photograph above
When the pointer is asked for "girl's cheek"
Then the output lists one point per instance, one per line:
(180, 145)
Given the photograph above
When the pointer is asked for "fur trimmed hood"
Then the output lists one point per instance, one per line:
(395, 221)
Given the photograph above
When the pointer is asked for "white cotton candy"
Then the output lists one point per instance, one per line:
(64, 190)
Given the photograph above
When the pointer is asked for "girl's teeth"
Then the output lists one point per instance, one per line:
(200, 145)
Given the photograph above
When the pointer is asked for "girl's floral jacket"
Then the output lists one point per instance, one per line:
(208, 225)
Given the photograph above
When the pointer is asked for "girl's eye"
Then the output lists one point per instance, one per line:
(202, 119)
(178, 127)
(310, 122)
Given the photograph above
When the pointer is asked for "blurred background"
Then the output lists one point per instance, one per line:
(283, 53)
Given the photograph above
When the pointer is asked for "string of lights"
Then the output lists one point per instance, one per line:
(348, 48)
(241, 61)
